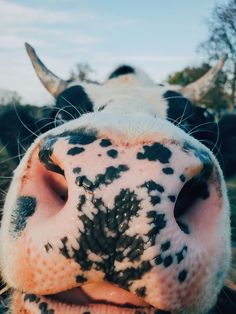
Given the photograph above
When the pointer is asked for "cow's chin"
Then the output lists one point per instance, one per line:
(102, 298)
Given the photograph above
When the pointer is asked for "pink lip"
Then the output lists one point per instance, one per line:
(104, 293)
(95, 298)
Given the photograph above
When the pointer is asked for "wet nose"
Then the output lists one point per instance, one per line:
(93, 207)
(85, 166)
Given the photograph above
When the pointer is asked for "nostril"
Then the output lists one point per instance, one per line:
(57, 185)
(53, 174)
(195, 190)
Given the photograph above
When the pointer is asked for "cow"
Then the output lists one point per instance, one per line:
(122, 207)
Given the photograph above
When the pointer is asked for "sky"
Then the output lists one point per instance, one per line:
(159, 36)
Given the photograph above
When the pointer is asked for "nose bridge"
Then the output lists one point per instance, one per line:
(80, 173)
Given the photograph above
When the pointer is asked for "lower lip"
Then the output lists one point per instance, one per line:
(54, 307)
(93, 298)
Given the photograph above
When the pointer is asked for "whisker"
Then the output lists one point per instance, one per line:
(22, 122)
(10, 158)
(202, 124)
(228, 297)
(76, 109)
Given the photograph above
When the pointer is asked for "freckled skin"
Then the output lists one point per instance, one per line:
(116, 213)
(105, 244)
(24, 208)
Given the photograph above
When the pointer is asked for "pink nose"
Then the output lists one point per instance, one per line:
(93, 208)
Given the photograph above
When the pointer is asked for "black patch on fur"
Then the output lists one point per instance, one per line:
(43, 307)
(162, 312)
(153, 186)
(25, 207)
(165, 246)
(105, 143)
(180, 109)
(112, 173)
(122, 70)
(64, 250)
(155, 200)
(141, 292)
(82, 138)
(112, 153)
(172, 198)
(104, 234)
(48, 247)
(158, 260)
(168, 170)
(158, 221)
(182, 178)
(45, 153)
(80, 279)
(75, 151)
(85, 183)
(82, 200)
(77, 170)
(181, 254)
(155, 152)
(32, 298)
(168, 260)
(72, 103)
(182, 275)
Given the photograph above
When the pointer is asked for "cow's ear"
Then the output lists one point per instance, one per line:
(227, 147)
(71, 104)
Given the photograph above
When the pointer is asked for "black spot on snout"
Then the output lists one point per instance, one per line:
(82, 137)
(182, 276)
(110, 175)
(113, 153)
(155, 152)
(105, 142)
(24, 208)
(75, 151)
(45, 154)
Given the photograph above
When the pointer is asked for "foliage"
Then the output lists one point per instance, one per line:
(9, 97)
(222, 40)
(217, 98)
(81, 72)
(7, 165)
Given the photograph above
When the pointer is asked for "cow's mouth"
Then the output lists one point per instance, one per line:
(93, 298)
(104, 293)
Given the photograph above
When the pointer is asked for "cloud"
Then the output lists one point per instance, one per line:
(40, 26)
(13, 14)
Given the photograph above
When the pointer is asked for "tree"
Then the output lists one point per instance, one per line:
(217, 98)
(81, 72)
(222, 40)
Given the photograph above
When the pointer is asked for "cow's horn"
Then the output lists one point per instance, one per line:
(53, 84)
(196, 90)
